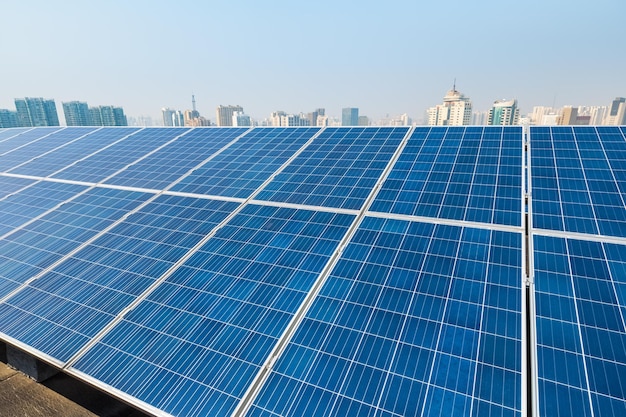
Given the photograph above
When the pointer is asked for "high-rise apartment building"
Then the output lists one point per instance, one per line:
(350, 116)
(503, 113)
(107, 116)
(8, 118)
(32, 112)
(568, 116)
(241, 119)
(77, 114)
(456, 110)
(616, 115)
(224, 114)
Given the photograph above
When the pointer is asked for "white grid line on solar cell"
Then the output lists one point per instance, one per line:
(25, 139)
(73, 152)
(10, 186)
(121, 154)
(260, 153)
(28, 152)
(170, 162)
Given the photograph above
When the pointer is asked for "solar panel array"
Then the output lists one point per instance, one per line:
(578, 185)
(370, 271)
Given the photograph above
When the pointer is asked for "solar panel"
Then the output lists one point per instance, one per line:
(415, 319)
(33, 201)
(244, 166)
(78, 297)
(459, 173)
(9, 133)
(28, 250)
(15, 141)
(580, 301)
(57, 159)
(110, 160)
(339, 169)
(207, 329)
(10, 185)
(168, 164)
(578, 180)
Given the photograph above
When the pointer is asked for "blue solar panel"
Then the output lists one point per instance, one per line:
(110, 160)
(579, 179)
(205, 332)
(22, 139)
(62, 157)
(10, 185)
(30, 202)
(9, 133)
(59, 312)
(339, 169)
(580, 298)
(26, 252)
(22, 154)
(459, 173)
(415, 319)
(167, 165)
(244, 166)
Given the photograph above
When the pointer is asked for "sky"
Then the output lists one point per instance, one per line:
(384, 57)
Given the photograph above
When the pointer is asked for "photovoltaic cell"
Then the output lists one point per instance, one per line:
(28, 203)
(205, 331)
(339, 169)
(62, 310)
(415, 319)
(62, 157)
(580, 298)
(244, 166)
(579, 179)
(110, 160)
(458, 173)
(38, 245)
(167, 165)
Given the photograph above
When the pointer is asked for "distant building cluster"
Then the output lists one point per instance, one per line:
(35, 112)
(189, 118)
(456, 110)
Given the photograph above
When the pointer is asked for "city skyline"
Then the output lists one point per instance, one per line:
(381, 58)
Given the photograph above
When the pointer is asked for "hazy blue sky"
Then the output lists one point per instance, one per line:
(385, 57)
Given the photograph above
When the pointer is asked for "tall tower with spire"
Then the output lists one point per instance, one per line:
(456, 110)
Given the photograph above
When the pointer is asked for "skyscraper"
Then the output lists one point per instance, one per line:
(456, 110)
(503, 112)
(224, 114)
(36, 112)
(77, 114)
(350, 116)
(617, 112)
